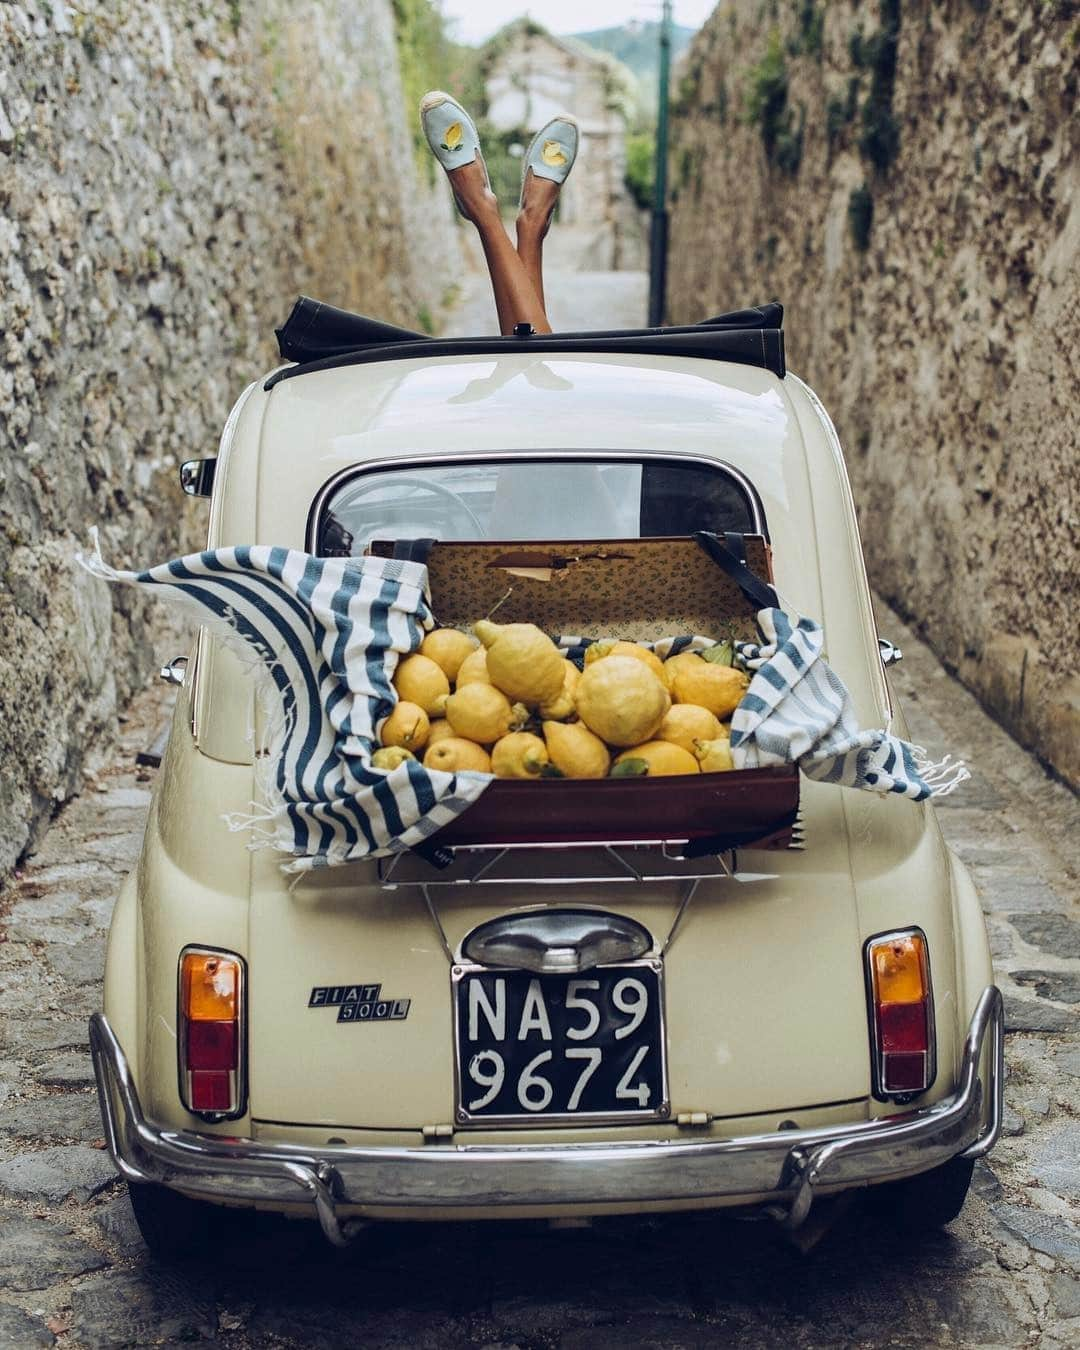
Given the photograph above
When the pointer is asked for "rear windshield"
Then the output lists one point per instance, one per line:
(516, 499)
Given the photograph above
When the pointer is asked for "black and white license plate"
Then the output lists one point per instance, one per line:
(560, 1047)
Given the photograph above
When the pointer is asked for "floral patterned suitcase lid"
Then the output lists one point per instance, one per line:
(640, 589)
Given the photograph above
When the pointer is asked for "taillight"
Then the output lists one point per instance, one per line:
(211, 1043)
(902, 1014)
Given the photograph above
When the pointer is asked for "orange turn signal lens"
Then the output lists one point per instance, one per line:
(210, 985)
(899, 968)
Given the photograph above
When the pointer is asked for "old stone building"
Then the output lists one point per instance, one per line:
(530, 75)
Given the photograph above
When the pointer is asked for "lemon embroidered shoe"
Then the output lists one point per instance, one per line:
(551, 152)
(450, 132)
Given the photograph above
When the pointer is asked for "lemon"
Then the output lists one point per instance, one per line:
(621, 700)
(575, 751)
(440, 729)
(454, 753)
(519, 755)
(448, 647)
(562, 705)
(662, 758)
(553, 154)
(473, 670)
(596, 651)
(479, 712)
(675, 663)
(419, 680)
(634, 649)
(521, 660)
(714, 755)
(391, 756)
(407, 726)
(685, 722)
(718, 688)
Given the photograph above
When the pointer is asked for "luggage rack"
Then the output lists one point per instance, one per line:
(565, 864)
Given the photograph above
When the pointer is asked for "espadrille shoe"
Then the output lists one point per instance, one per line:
(551, 152)
(450, 132)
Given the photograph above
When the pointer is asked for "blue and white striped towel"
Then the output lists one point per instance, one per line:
(797, 709)
(329, 632)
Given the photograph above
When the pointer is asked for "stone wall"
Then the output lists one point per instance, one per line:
(904, 177)
(171, 176)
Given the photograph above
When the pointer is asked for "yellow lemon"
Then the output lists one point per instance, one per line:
(521, 661)
(391, 757)
(448, 647)
(714, 755)
(519, 755)
(440, 729)
(575, 751)
(407, 726)
(686, 722)
(632, 649)
(479, 712)
(419, 680)
(454, 753)
(621, 700)
(562, 705)
(552, 154)
(718, 688)
(662, 758)
(596, 651)
(453, 135)
(674, 663)
(473, 670)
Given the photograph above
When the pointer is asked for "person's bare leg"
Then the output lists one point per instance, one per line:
(516, 300)
(533, 222)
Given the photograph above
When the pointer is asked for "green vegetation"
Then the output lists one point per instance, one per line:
(641, 167)
(429, 60)
(879, 139)
(861, 217)
(809, 37)
(767, 107)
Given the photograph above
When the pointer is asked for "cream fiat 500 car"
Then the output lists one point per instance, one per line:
(546, 1028)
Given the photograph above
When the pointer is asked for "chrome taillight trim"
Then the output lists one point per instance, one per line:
(878, 1089)
(239, 1076)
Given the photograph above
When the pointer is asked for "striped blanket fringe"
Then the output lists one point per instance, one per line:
(323, 637)
(327, 633)
(797, 708)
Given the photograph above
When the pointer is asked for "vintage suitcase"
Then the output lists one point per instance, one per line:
(641, 590)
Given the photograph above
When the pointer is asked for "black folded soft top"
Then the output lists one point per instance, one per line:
(319, 337)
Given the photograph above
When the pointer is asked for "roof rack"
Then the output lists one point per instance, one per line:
(319, 337)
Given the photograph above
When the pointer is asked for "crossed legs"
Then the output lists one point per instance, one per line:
(516, 273)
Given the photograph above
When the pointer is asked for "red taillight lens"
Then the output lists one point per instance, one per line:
(211, 1032)
(902, 1010)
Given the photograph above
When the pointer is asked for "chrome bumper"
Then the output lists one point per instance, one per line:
(784, 1170)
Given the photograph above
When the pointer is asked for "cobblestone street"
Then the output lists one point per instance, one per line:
(73, 1268)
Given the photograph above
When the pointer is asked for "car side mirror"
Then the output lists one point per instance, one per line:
(197, 476)
(890, 653)
(175, 672)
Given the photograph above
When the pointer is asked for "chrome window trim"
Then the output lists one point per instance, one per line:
(438, 459)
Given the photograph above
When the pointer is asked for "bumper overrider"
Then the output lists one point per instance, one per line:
(783, 1170)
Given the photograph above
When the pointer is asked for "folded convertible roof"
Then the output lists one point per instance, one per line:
(319, 337)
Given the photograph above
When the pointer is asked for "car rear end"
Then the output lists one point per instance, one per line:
(542, 1031)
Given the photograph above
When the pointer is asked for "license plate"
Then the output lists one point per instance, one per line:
(560, 1047)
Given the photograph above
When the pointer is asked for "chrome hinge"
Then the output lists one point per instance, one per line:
(692, 1120)
(433, 1132)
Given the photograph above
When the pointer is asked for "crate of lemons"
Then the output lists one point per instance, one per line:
(508, 702)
